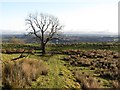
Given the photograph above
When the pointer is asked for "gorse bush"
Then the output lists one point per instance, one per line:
(20, 74)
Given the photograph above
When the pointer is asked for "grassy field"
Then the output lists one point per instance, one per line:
(84, 65)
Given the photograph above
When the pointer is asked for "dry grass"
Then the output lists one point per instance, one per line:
(86, 81)
(20, 74)
(116, 84)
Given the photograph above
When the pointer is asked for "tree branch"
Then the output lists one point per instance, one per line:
(33, 28)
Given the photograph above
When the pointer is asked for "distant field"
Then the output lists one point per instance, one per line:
(104, 45)
(82, 65)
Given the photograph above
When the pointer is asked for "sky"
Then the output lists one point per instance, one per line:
(77, 16)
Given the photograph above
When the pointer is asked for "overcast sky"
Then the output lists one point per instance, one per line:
(81, 16)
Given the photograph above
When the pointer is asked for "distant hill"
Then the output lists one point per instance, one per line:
(66, 38)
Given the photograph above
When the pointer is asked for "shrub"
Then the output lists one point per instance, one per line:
(19, 74)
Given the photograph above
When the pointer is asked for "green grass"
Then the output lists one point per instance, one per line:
(59, 47)
(85, 46)
(7, 57)
(60, 74)
(58, 77)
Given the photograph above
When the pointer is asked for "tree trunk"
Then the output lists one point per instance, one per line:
(43, 48)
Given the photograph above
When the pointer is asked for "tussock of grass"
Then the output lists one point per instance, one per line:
(116, 84)
(20, 74)
(86, 81)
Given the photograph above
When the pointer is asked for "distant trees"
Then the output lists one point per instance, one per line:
(17, 40)
(44, 26)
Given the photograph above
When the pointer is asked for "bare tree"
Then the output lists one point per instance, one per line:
(44, 27)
